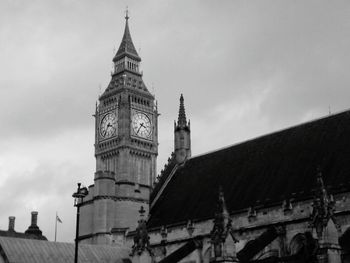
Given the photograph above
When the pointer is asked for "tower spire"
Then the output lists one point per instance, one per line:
(126, 47)
(181, 121)
(182, 132)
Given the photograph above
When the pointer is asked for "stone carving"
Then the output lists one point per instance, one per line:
(323, 208)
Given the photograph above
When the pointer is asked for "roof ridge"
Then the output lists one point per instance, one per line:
(271, 133)
(19, 239)
(160, 191)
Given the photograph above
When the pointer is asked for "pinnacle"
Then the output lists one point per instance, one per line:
(182, 115)
(222, 203)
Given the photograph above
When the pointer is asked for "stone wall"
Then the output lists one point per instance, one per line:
(246, 228)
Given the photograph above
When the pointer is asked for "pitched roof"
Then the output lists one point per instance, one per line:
(262, 171)
(127, 47)
(37, 251)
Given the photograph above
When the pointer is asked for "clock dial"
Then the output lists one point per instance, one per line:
(141, 125)
(108, 127)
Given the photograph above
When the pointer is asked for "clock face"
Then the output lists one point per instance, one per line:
(108, 127)
(141, 125)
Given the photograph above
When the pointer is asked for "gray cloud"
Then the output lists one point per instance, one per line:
(45, 189)
(236, 47)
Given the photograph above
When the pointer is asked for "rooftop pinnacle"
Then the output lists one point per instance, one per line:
(182, 115)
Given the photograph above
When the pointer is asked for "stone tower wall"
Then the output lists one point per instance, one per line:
(182, 142)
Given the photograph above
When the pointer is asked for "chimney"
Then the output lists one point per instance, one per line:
(12, 223)
(33, 230)
(34, 218)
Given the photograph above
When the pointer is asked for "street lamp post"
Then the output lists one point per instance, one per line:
(78, 199)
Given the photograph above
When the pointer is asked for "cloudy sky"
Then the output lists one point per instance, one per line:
(245, 68)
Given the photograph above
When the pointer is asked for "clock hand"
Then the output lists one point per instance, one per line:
(138, 129)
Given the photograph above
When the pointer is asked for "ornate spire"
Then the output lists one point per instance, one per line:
(182, 115)
(322, 208)
(222, 227)
(222, 221)
(141, 238)
(126, 47)
(182, 134)
(221, 205)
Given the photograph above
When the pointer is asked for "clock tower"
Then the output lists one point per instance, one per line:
(126, 148)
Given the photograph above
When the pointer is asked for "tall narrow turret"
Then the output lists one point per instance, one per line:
(182, 135)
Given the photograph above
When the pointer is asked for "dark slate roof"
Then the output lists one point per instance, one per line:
(17, 250)
(126, 47)
(260, 172)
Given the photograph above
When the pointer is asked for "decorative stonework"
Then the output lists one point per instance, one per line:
(190, 227)
(323, 209)
(252, 214)
(141, 238)
(287, 207)
(221, 230)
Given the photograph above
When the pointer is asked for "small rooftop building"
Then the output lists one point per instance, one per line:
(33, 231)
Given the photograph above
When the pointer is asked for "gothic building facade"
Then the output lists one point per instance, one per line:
(282, 197)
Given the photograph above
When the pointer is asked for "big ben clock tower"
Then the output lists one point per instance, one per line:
(126, 148)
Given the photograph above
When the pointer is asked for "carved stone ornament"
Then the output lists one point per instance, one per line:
(323, 208)
(222, 226)
(141, 238)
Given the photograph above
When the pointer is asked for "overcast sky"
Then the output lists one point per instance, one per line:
(245, 68)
